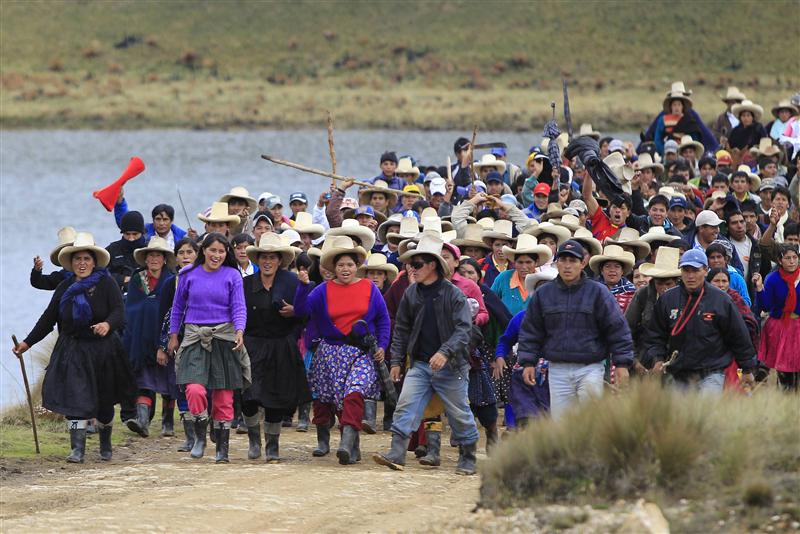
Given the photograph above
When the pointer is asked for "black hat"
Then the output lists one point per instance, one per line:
(460, 144)
(389, 156)
(132, 222)
(570, 248)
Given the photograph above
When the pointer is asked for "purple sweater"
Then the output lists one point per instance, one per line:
(310, 301)
(208, 298)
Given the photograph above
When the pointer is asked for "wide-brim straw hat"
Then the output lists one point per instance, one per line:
(383, 228)
(527, 244)
(765, 148)
(365, 194)
(784, 104)
(83, 241)
(688, 142)
(584, 237)
(645, 161)
(657, 234)
(748, 105)
(66, 236)
(431, 244)
(561, 233)
(630, 238)
(219, 214)
(613, 253)
(430, 213)
(351, 228)
(341, 244)
(753, 178)
(733, 95)
(670, 192)
(665, 266)
(677, 92)
(304, 224)
(554, 211)
(587, 130)
(621, 169)
(473, 237)
(544, 274)
(409, 228)
(377, 262)
(156, 244)
(569, 221)
(490, 160)
(244, 194)
(404, 166)
(271, 242)
(501, 229)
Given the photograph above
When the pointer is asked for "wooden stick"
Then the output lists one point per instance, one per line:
(332, 176)
(472, 154)
(27, 392)
(331, 149)
(449, 170)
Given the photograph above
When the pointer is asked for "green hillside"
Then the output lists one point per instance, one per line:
(255, 63)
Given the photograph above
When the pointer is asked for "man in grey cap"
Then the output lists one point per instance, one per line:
(670, 151)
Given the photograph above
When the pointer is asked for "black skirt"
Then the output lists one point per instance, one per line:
(278, 375)
(86, 374)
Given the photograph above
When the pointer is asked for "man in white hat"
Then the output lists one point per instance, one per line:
(727, 121)
(48, 282)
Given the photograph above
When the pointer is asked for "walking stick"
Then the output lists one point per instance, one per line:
(472, 154)
(27, 392)
(331, 149)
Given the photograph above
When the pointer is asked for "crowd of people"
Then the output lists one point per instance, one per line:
(469, 291)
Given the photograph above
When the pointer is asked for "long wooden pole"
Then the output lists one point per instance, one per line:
(332, 176)
(21, 359)
(472, 154)
(331, 148)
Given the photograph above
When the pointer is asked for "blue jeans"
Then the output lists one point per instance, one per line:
(571, 383)
(712, 384)
(419, 386)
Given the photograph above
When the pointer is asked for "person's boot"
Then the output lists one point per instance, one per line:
(466, 459)
(242, 427)
(211, 434)
(302, 418)
(396, 457)
(345, 450)
(104, 431)
(223, 432)
(273, 433)
(432, 457)
(199, 447)
(135, 426)
(77, 440)
(369, 423)
(188, 429)
(167, 421)
(143, 415)
(254, 438)
(287, 421)
(356, 455)
(323, 441)
(492, 437)
(91, 427)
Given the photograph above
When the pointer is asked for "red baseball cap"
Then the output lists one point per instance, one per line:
(541, 189)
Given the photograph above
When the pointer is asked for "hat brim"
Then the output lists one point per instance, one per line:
(593, 245)
(362, 233)
(140, 255)
(642, 249)
(365, 194)
(545, 275)
(777, 109)
(569, 226)
(288, 254)
(229, 219)
(462, 243)
(390, 270)
(393, 238)
(65, 256)
(596, 263)
(350, 213)
(654, 271)
(489, 237)
(409, 254)
(698, 147)
(650, 238)
(252, 203)
(657, 167)
(56, 251)
(757, 111)
(687, 102)
(314, 230)
(560, 232)
(542, 252)
(501, 166)
(326, 261)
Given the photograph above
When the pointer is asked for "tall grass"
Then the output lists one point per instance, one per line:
(650, 440)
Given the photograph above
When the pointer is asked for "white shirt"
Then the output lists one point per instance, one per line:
(743, 249)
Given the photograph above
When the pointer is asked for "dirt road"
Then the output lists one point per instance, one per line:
(149, 487)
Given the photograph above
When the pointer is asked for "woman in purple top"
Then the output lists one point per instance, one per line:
(209, 304)
(342, 373)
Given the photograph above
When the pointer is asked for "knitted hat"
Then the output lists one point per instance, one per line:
(132, 222)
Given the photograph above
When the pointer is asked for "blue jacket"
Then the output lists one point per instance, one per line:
(581, 323)
(773, 298)
(510, 337)
(149, 230)
(510, 297)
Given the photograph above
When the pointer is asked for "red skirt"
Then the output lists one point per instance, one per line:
(780, 345)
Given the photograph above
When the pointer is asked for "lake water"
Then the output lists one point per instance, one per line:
(47, 179)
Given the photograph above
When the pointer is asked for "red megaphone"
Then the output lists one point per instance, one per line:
(108, 195)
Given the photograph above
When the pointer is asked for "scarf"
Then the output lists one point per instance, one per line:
(791, 296)
(76, 296)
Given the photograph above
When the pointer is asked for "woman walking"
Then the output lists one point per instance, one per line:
(342, 372)
(88, 371)
(209, 305)
(279, 377)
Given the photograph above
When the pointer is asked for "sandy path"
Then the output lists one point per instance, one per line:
(150, 487)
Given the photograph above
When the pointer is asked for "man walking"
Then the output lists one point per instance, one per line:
(432, 326)
(576, 324)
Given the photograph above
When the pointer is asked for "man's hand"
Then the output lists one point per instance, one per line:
(161, 358)
(622, 376)
(346, 184)
(193, 235)
(121, 195)
(38, 264)
(748, 380)
(658, 368)
(498, 367)
(758, 283)
(529, 376)
(302, 276)
(323, 199)
(774, 217)
(287, 310)
(379, 355)
(478, 198)
(438, 361)
(173, 344)
(20, 349)
(394, 373)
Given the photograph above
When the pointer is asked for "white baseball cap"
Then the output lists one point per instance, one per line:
(707, 218)
(438, 185)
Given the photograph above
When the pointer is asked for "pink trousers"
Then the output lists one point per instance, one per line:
(221, 402)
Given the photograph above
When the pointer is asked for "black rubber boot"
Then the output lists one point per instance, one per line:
(188, 429)
(104, 431)
(421, 451)
(396, 457)
(273, 433)
(492, 437)
(287, 421)
(369, 423)
(77, 440)
(199, 447)
(345, 450)
(432, 458)
(356, 455)
(223, 433)
(167, 421)
(466, 460)
(302, 417)
(143, 415)
(134, 426)
(254, 438)
(323, 441)
(241, 427)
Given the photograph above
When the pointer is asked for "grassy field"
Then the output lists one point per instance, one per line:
(121, 64)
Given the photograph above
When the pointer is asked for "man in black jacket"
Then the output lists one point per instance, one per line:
(696, 331)
(432, 326)
(122, 264)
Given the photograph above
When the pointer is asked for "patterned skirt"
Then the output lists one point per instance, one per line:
(481, 389)
(339, 370)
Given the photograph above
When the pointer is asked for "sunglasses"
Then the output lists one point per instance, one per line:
(416, 264)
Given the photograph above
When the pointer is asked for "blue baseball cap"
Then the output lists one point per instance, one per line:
(570, 248)
(694, 258)
(494, 176)
(364, 210)
(499, 151)
(677, 202)
(298, 197)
